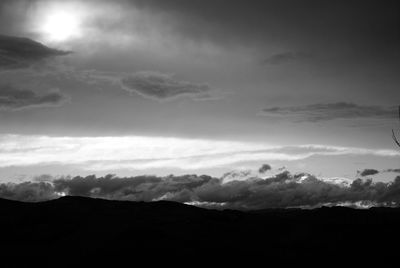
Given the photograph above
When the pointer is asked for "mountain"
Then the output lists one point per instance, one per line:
(79, 230)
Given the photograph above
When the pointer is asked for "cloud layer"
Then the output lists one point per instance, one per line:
(281, 190)
(369, 172)
(17, 52)
(330, 111)
(161, 86)
(140, 153)
(372, 171)
(12, 98)
(151, 85)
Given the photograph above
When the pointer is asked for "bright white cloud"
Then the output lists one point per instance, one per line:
(141, 153)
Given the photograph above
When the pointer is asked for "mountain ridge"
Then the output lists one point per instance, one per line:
(107, 231)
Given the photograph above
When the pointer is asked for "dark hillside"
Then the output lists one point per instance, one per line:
(76, 229)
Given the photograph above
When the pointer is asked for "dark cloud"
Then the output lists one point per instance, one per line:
(286, 57)
(12, 98)
(395, 170)
(368, 172)
(161, 87)
(330, 111)
(28, 191)
(142, 188)
(18, 52)
(264, 168)
(279, 191)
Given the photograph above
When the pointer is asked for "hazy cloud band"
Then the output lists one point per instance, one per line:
(139, 152)
(330, 111)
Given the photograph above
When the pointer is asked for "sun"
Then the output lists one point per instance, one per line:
(59, 26)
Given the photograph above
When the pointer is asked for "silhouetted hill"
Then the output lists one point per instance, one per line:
(76, 230)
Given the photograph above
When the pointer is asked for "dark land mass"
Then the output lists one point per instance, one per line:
(79, 230)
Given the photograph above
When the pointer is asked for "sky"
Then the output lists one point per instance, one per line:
(132, 87)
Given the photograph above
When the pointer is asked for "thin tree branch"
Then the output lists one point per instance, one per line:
(395, 139)
(394, 135)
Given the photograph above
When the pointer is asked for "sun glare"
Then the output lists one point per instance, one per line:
(60, 26)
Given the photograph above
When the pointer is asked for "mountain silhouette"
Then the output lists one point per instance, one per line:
(80, 230)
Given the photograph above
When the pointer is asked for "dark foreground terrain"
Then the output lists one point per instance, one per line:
(77, 230)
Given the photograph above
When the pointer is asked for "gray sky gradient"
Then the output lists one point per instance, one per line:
(224, 73)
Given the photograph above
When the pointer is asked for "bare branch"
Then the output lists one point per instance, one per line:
(394, 135)
(395, 139)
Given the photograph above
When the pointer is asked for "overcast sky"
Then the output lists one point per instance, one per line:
(177, 86)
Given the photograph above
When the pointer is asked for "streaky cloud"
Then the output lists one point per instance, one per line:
(162, 87)
(143, 153)
(330, 111)
(20, 53)
(368, 172)
(151, 85)
(14, 99)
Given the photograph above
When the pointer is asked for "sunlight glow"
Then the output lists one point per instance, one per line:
(61, 26)
(59, 22)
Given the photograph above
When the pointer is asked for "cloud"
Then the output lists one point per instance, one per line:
(286, 57)
(330, 111)
(368, 172)
(161, 86)
(12, 98)
(281, 190)
(394, 170)
(142, 153)
(264, 168)
(18, 52)
(148, 84)
(28, 191)
(141, 188)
